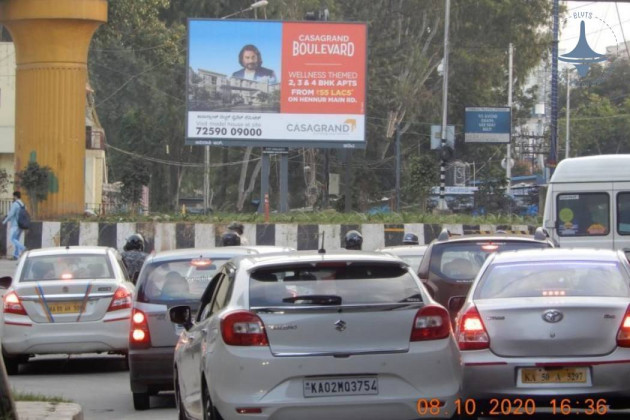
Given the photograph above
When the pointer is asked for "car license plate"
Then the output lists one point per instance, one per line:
(366, 385)
(64, 307)
(568, 375)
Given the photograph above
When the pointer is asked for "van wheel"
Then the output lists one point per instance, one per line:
(141, 401)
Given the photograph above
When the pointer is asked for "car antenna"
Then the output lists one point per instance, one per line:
(322, 250)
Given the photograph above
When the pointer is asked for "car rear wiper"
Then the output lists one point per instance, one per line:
(314, 299)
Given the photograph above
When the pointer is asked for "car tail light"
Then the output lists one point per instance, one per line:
(623, 336)
(13, 304)
(121, 300)
(471, 333)
(139, 336)
(430, 323)
(243, 328)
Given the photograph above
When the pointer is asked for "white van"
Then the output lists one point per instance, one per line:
(588, 202)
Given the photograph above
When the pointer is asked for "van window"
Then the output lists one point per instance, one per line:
(583, 214)
(623, 213)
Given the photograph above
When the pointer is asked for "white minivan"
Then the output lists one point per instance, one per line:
(588, 202)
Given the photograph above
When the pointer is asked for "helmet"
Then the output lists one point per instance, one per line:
(236, 227)
(354, 240)
(134, 242)
(230, 239)
(410, 239)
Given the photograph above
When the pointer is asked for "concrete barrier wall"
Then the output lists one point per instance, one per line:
(165, 236)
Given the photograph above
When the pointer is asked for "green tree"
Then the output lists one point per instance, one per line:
(35, 181)
(421, 175)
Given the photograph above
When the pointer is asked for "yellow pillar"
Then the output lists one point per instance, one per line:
(51, 39)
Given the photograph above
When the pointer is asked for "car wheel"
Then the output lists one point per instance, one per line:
(12, 364)
(141, 400)
(209, 412)
(181, 413)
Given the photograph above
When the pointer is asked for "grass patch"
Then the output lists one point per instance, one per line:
(28, 396)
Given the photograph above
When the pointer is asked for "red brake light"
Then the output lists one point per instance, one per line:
(139, 336)
(13, 304)
(121, 300)
(201, 262)
(243, 328)
(489, 247)
(623, 336)
(471, 333)
(430, 323)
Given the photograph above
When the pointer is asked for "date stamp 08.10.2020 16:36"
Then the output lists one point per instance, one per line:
(517, 406)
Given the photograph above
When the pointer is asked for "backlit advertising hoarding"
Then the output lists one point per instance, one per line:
(276, 84)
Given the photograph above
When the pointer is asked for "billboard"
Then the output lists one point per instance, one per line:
(488, 125)
(276, 84)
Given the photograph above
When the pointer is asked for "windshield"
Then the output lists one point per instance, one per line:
(462, 261)
(67, 267)
(553, 279)
(185, 279)
(332, 284)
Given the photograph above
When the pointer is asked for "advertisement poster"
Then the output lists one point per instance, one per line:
(276, 84)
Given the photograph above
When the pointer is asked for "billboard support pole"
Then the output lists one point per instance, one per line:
(398, 167)
(347, 200)
(264, 181)
(284, 182)
(206, 180)
(442, 205)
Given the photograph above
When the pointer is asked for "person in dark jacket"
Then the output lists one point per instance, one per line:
(251, 61)
(133, 255)
(353, 240)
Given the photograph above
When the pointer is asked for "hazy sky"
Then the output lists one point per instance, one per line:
(602, 28)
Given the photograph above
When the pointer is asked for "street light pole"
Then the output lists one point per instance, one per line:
(206, 163)
(442, 205)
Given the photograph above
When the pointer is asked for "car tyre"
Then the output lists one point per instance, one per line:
(141, 401)
(181, 412)
(209, 411)
(12, 365)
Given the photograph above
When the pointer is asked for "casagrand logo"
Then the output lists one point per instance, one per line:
(346, 127)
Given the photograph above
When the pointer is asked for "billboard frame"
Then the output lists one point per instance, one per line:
(323, 142)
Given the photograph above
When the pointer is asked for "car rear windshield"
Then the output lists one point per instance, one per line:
(553, 279)
(462, 261)
(67, 267)
(177, 280)
(332, 284)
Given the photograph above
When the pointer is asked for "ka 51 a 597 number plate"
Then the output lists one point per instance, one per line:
(325, 387)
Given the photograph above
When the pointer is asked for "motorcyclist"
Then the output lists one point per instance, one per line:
(238, 228)
(230, 238)
(353, 240)
(133, 255)
(410, 239)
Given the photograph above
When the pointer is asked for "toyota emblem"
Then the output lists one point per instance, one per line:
(340, 325)
(552, 316)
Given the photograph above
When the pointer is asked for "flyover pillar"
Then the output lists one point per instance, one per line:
(51, 40)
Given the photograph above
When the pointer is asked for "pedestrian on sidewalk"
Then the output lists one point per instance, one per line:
(16, 232)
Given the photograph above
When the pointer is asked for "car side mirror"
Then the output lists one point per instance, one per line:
(181, 315)
(5, 282)
(455, 303)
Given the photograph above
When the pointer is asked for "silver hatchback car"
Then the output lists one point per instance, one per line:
(169, 278)
(308, 335)
(547, 327)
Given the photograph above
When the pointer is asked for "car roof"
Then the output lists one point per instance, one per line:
(301, 257)
(79, 249)
(492, 237)
(555, 254)
(217, 252)
(403, 249)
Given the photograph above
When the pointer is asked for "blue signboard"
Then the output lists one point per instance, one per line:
(488, 125)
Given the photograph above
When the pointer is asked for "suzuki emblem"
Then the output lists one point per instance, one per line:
(340, 325)
(552, 316)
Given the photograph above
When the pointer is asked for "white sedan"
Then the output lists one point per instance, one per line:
(66, 300)
(339, 335)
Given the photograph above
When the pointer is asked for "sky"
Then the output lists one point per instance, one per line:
(602, 25)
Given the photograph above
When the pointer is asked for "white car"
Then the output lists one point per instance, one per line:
(73, 299)
(308, 335)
